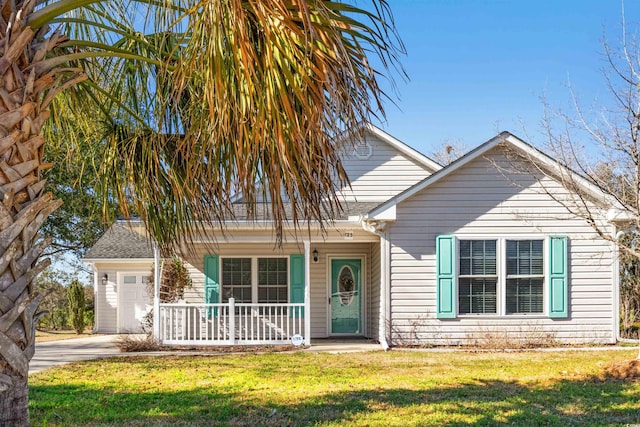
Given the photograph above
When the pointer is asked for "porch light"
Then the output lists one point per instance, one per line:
(105, 279)
(315, 255)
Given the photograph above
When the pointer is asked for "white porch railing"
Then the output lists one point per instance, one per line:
(230, 324)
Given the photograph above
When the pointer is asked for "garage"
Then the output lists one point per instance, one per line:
(134, 302)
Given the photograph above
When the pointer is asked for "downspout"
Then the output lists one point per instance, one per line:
(616, 282)
(95, 298)
(156, 292)
(307, 293)
(380, 229)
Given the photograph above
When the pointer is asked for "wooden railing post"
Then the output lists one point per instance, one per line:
(232, 321)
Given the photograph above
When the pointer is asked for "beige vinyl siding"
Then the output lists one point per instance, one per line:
(480, 201)
(318, 271)
(383, 175)
(373, 308)
(106, 304)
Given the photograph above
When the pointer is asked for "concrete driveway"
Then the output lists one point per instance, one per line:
(54, 353)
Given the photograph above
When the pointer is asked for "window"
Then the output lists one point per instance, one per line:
(482, 279)
(503, 276)
(478, 277)
(236, 279)
(525, 276)
(272, 280)
(269, 284)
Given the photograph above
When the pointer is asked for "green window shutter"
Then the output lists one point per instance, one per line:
(558, 277)
(446, 281)
(296, 281)
(212, 280)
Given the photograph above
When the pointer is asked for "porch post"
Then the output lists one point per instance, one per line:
(307, 293)
(156, 292)
(232, 321)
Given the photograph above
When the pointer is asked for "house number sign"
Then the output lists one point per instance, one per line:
(297, 340)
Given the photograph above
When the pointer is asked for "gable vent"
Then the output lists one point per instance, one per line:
(363, 150)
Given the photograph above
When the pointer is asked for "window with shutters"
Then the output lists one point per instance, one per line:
(500, 276)
(255, 280)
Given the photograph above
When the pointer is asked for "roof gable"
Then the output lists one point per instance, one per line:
(379, 166)
(120, 241)
(386, 210)
(403, 148)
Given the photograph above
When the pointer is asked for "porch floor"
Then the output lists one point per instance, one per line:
(343, 345)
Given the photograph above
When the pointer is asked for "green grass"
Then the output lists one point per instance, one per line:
(360, 389)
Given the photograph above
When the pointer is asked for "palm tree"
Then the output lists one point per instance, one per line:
(192, 102)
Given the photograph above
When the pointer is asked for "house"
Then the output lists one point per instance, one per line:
(425, 255)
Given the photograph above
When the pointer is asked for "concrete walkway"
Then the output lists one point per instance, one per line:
(55, 353)
(335, 346)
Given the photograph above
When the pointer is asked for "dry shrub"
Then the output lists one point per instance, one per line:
(626, 370)
(525, 337)
(136, 343)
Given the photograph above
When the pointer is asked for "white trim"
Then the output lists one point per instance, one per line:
(615, 280)
(96, 282)
(379, 228)
(269, 239)
(307, 293)
(156, 291)
(501, 273)
(402, 147)
(504, 137)
(364, 276)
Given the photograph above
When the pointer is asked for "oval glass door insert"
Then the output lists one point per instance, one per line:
(346, 285)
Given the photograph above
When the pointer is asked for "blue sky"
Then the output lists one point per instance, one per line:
(477, 67)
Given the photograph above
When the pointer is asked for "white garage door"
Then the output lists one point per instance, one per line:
(134, 302)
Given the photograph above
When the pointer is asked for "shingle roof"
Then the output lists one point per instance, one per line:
(263, 211)
(120, 241)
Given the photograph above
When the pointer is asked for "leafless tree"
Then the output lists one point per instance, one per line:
(602, 145)
(449, 151)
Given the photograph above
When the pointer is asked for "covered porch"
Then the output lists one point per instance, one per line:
(315, 289)
(231, 323)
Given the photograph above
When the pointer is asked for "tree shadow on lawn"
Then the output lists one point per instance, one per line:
(592, 401)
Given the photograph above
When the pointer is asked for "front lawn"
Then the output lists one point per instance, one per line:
(361, 389)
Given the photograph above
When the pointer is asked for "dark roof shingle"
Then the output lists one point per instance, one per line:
(120, 241)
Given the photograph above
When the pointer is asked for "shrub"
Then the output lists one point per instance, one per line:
(77, 303)
(174, 280)
(135, 343)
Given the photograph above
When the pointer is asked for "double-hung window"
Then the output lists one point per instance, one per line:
(524, 276)
(272, 280)
(255, 280)
(236, 279)
(478, 278)
(500, 273)
(502, 276)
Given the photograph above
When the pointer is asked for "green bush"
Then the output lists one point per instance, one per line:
(77, 304)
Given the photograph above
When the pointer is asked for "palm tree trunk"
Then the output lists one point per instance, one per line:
(25, 93)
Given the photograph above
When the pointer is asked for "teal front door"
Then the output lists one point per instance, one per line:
(346, 296)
